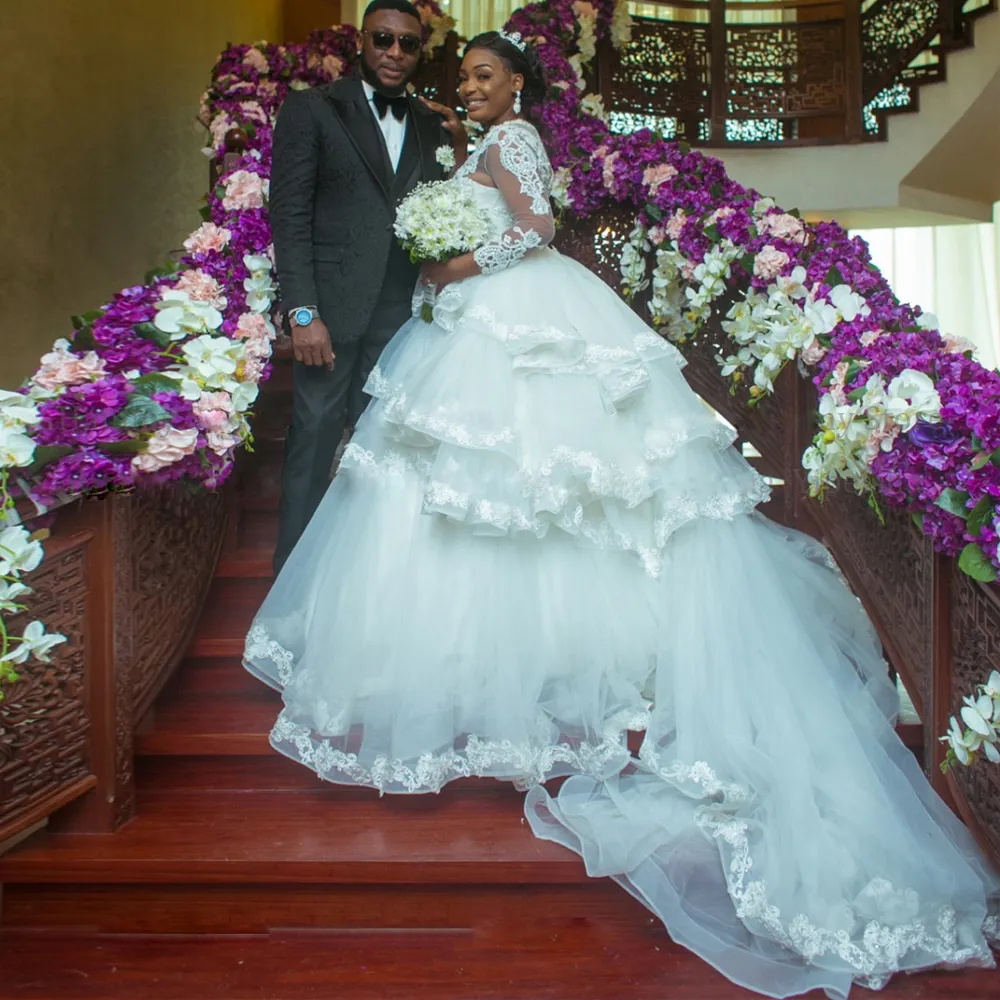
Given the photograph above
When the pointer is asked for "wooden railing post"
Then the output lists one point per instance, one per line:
(853, 82)
(719, 86)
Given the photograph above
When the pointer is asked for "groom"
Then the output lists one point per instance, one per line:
(344, 156)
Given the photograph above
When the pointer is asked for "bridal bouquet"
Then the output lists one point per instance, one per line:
(439, 220)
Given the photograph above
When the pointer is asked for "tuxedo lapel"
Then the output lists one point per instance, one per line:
(408, 171)
(429, 137)
(351, 107)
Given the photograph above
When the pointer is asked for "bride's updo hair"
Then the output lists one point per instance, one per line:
(526, 63)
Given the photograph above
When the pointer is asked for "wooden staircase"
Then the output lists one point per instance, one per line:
(243, 876)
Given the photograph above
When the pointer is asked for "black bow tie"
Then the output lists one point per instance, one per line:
(383, 104)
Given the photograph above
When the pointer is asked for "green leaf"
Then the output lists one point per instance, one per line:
(746, 262)
(140, 411)
(83, 339)
(918, 520)
(954, 501)
(654, 212)
(684, 147)
(855, 395)
(712, 232)
(151, 332)
(123, 447)
(982, 514)
(974, 563)
(46, 454)
(205, 212)
(716, 190)
(155, 382)
(794, 212)
(834, 277)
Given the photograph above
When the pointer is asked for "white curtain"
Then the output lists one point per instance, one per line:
(951, 271)
(476, 16)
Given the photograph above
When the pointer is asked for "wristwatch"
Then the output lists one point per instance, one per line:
(302, 316)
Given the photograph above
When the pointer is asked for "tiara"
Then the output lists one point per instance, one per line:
(514, 38)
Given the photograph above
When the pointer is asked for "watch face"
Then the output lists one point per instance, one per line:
(303, 316)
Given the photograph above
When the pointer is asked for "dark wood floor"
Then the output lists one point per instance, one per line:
(243, 877)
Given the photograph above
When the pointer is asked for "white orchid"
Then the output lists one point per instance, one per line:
(35, 642)
(621, 25)
(848, 303)
(181, 316)
(19, 553)
(912, 397)
(17, 449)
(560, 187)
(212, 357)
(17, 409)
(243, 396)
(10, 593)
(981, 715)
(593, 104)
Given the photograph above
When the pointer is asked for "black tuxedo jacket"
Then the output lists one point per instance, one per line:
(333, 199)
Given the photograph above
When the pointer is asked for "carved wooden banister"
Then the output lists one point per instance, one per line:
(124, 578)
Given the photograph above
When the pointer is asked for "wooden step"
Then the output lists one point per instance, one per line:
(248, 564)
(228, 613)
(304, 836)
(578, 960)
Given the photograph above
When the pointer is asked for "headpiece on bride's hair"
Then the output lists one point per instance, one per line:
(514, 38)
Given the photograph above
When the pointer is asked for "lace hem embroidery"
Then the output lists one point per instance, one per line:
(874, 953)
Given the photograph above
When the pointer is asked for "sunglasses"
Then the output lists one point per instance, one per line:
(383, 40)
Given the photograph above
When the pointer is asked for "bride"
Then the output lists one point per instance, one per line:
(539, 539)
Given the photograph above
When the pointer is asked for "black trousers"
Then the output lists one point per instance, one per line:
(324, 403)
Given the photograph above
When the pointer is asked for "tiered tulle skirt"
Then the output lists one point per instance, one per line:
(539, 539)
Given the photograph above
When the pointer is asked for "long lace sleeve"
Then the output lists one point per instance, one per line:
(518, 165)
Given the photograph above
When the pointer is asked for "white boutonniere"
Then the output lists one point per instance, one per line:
(445, 155)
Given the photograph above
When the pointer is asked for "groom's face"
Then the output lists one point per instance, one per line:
(390, 49)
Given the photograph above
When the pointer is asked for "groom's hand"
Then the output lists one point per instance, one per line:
(311, 344)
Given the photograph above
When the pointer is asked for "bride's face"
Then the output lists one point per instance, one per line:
(487, 87)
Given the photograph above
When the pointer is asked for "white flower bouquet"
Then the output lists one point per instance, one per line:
(437, 221)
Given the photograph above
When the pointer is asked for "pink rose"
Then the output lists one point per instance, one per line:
(783, 227)
(61, 368)
(253, 368)
(676, 223)
(956, 345)
(221, 124)
(220, 441)
(657, 235)
(267, 88)
(880, 439)
(838, 381)
(332, 66)
(599, 153)
(870, 336)
(719, 213)
(202, 287)
(166, 446)
(687, 270)
(253, 111)
(244, 190)
(770, 262)
(214, 411)
(252, 324)
(813, 353)
(256, 59)
(654, 177)
(608, 174)
(208, 238)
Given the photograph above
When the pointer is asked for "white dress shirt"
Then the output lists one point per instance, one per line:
(393, 130)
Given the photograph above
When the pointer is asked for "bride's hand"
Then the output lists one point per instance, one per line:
(436, 275)
(450, 120)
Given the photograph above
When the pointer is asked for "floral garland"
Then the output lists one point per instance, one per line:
(157, 385)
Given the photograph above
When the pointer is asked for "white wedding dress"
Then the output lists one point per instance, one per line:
(540, 538)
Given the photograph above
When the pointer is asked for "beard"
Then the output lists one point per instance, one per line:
(369, 74)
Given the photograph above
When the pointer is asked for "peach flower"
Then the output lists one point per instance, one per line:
(814, 353)
(60, 367)
(214, 411)
(838, 383)
(657, 235)
(166, 446)
(869, 337)
(956, 345)
(719, 213)
(770, 262)
(256, 59)
(208, 238)
(783, 227)
(608, 174)
(221, 124)
(201, 287)
(880, 439)
(655, 177)
(244, 190)
(676, 223)
(332, 66)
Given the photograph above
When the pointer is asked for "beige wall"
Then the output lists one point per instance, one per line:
(100, 165)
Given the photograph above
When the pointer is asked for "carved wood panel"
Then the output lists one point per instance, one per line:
(975, 642)
(44, 728)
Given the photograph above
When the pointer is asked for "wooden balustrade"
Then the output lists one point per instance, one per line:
(124, 578)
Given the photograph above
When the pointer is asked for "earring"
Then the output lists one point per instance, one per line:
(517, 102)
